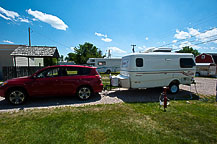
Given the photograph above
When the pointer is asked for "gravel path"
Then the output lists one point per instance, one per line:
(205, 86)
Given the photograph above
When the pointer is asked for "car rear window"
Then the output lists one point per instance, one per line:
(71, 71)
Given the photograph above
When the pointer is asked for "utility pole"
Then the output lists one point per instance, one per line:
(109, 53)
(29, 47)
(29, 38)
(133, 45)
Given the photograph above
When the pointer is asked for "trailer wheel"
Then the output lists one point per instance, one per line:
(174, 88)
(108, 71)
(197, 74)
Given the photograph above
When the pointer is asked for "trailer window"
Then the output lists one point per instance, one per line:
(92, 60)
(125, 63)
(101, 63)
(139, 62)
(186, 63)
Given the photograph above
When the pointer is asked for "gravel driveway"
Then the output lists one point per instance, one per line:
(205, 86)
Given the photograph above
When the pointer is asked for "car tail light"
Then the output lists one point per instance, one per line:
(99, 79)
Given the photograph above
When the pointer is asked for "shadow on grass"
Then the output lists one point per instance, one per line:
(47, 102)
(149, 95)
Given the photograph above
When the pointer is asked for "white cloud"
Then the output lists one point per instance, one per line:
(106, 39)
(100, 35)
(142, 48)
(116, 50)
(7, 41)
(54, 21)
(4, 17)
(208, 35)
(181, 34)
(187, 43)
(174, 41)
(9, 14)
(146, 38)
(193, 31)
(34, 19)
(24, 20)
(199, 36)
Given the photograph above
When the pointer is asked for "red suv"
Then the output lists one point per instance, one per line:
(83, 81)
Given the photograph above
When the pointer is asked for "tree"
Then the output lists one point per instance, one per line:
(83, 52)
(50, 61)
(188, 49)
(61, 59)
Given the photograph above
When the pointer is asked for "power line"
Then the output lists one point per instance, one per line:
(206, 41)
(186, 38)
(200, 43)
(65, 46)
(197, 23)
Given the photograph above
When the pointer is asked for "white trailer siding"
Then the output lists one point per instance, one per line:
(105, 64)
(157, 70)
(205, 69)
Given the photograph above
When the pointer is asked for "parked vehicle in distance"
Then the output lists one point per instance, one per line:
(57, 80)
(205, 69)
(105, 65)
(156, 69)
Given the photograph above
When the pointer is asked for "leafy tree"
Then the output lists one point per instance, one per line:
(50, 61)
(83, 52)
(61, 59)
(188, 49)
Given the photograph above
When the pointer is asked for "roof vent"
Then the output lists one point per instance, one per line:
(158, 50)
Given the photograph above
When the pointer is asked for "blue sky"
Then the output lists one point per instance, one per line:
(110, 24)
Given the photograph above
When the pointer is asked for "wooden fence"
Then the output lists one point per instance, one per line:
(13, 72)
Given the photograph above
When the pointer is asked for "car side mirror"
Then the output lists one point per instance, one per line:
(34, 76)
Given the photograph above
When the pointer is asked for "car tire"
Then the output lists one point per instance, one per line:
(174, 88)
(84, 93)
(16, 96)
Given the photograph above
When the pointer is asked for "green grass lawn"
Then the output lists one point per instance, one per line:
(118, 123)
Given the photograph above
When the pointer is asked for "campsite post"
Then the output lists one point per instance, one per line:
(165, 98)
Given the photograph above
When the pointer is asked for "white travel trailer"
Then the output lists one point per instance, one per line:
(106, 65)
(156, 69)
(205, 69)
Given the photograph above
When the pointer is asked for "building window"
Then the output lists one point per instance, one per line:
(187, 63)
(139, 62)
(203, 56)
(101, 63)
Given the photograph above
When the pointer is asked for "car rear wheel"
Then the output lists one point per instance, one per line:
(16, 97)
(84, 93)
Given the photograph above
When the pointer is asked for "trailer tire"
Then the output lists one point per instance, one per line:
(197, 74)
(108, 71)
(174, 88)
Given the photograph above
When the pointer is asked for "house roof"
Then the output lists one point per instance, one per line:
(36, 51)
